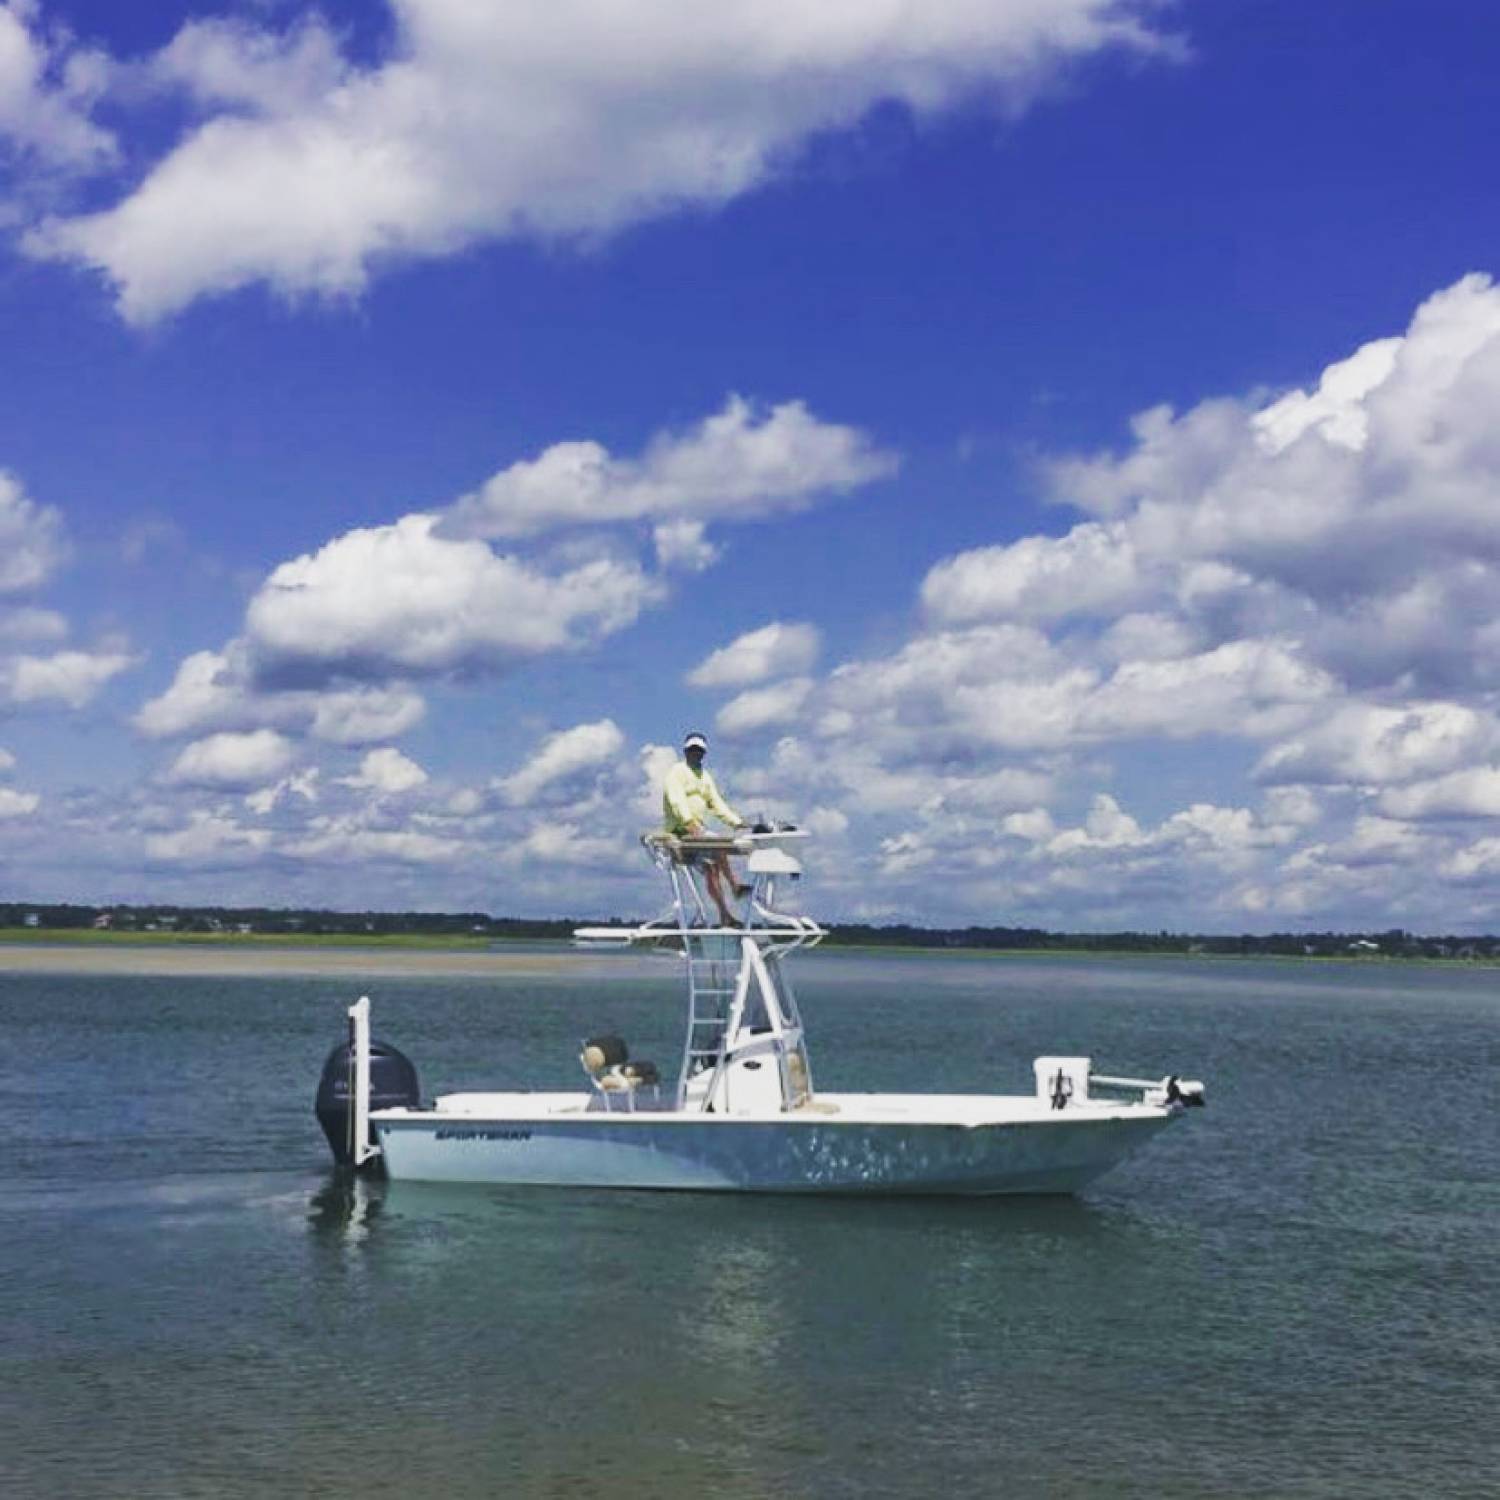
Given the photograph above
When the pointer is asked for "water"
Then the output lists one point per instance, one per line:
(1293, 1293)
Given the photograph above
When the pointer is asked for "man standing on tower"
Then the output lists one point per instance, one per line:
(689, 795)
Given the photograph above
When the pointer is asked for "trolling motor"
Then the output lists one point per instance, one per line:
(1062, 1082)
(358, 1076)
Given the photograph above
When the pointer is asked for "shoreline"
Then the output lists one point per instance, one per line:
(230, 960)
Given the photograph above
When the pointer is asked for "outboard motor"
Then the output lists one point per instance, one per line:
(393, 1083)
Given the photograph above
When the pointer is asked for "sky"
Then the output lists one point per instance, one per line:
(1049, 446)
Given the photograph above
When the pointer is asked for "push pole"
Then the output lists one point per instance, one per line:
(360, 1149)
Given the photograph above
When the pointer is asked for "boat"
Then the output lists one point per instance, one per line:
(741, 1113)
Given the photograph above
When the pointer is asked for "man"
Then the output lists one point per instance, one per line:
(689, 795)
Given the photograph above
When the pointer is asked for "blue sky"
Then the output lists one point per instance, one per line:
(1048, 446)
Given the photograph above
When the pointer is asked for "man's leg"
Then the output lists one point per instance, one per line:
(718, 868)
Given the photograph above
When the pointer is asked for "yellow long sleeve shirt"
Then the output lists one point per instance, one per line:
(688, 796)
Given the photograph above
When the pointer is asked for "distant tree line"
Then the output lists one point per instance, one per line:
(1393, 942)
(280, 921)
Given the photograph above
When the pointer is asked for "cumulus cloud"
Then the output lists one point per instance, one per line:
(208, 839)
(1092, 570)
(229, 759)
(71, 678)
(400, 600)
(336, 840)
(26, 624)
(764, 708)
(47, 90)
(31, 540)
(739, 464)
(1355, 519)
(224, 62)
(305, 170)
(775, 650)
(569, 846)
(216, 690)
(1374, 745)
(14, 804)
(302, 784)
(561, 758)
(334, 641)
(683, 546)
(1470, 793)
(387, 772)
(1304, 582)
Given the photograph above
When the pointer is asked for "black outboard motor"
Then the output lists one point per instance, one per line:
(393, 1083)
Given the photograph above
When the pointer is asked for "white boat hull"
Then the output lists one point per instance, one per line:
(813, 1152)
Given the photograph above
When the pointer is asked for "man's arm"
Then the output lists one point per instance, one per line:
(717, 805)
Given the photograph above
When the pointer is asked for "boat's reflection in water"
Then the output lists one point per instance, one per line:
(345, 1207)
(731, 1314)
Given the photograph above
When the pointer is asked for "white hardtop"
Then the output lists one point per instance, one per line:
(743, 1050)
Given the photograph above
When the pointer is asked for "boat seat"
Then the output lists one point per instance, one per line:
(606, 1060)
(690, 851)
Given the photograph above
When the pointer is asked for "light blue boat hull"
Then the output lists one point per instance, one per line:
(1054, 1154)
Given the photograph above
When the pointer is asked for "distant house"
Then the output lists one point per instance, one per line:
(1364, 945)
(32, 920)
(105, 920)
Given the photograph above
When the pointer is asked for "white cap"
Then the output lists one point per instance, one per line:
(695, 742)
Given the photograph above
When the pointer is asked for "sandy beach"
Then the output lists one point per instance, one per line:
(66, 958)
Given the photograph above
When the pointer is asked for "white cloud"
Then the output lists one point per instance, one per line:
(1356, 520)
(653, 763)
(355, 716)
(737, 465)
(1336, 410)
(569, 846)
(215, 690)
(764, 708)
(47, 89)
(31, 540)
(1295, 805)
(1243, 686)
(682, 546)
(14, 804)
(1471, 793)
(1092, 570)
(398, 600)
(229, 759)
(227, 62)
(1107, 826)
(200, 697)
(504, 121)
(302, 784)
(775, 650)
(1035, 825)
(1479, 861)
(388, 772)
(561, 758)
(68, 677)
(1377, 746)
(336, 840)
(209, 839)
(32, 625)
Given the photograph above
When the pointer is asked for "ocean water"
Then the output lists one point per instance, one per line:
(1293, 1293)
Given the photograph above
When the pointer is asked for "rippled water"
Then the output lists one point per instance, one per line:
(1293, 1293)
